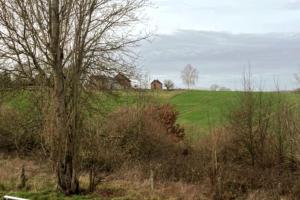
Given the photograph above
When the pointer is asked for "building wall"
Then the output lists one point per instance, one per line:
(123, 82)
(156, 86)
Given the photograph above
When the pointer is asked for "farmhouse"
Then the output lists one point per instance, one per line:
(101, 82)
(121, 82)
(156, 85)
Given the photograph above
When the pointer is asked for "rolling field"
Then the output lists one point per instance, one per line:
(201, 110)
(198, 110)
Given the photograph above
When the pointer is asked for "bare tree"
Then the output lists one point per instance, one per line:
(297, 77)
(63, 42)
(189, 75)
(169, 84)
(214, 87)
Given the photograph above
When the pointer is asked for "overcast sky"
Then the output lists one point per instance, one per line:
(221, 38)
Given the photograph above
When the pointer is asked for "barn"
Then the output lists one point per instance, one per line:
(156, 85)
(121, 82)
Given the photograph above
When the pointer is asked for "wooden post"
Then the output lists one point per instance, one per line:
(152, 180)
(23, 179)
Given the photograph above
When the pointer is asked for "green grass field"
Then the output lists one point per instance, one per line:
(198, 110)
(203, 108)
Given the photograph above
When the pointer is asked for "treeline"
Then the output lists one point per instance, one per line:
(17, 81)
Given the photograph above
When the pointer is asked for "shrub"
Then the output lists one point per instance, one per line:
(257, 150)
(19, 131)
(147, 137)
(167, 116)
(144, 134)
(250, 123)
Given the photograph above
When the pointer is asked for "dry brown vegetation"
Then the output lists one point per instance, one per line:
(255, 156)
(23, 135)
(258, 150)
(140, 152)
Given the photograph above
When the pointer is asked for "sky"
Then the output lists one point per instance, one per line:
(222, 38)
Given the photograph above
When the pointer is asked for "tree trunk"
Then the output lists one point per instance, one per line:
(65, 112)
(66, 130)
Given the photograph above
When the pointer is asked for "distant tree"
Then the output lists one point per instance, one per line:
(189, 75)
(169, 84)
(224, 89)
(297, 77)
(297, 90)
(214, 87)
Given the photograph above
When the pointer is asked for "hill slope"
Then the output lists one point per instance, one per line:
(203, 107)
(200, 110)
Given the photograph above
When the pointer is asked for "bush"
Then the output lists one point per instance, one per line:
(19, 132)
(144, 134)
(147, 137)
(257, 150)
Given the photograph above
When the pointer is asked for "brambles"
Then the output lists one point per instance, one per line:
(167, 116)
(144, 133)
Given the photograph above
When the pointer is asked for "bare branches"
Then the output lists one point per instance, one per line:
(61, 43)
(87, 29)
(189, 75)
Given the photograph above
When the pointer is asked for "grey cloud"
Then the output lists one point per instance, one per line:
(223, 57)
(293, 5)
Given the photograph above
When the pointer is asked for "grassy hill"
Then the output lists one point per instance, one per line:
(203, 108)
(198, 110)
